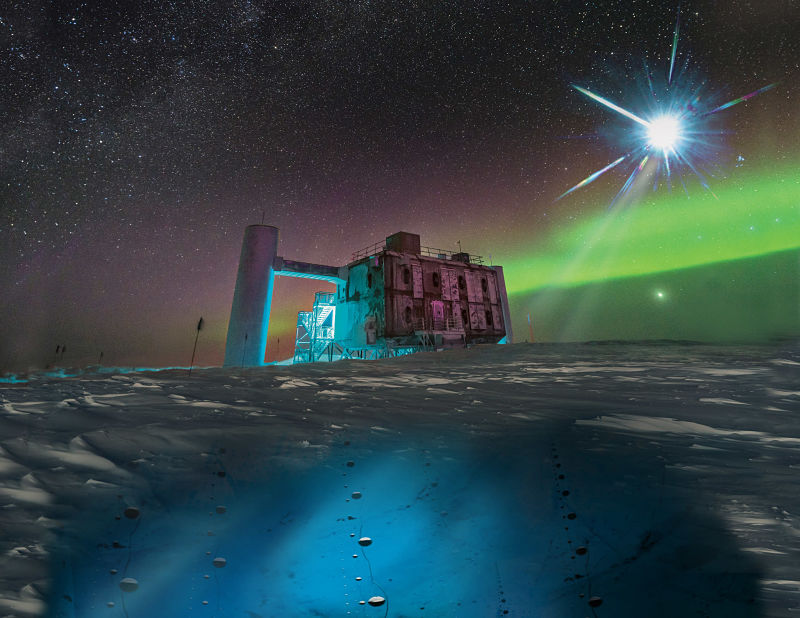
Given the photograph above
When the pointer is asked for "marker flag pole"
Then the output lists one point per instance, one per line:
(196, 337)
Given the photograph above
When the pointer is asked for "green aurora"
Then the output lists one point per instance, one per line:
(752, 217)
(703, 268)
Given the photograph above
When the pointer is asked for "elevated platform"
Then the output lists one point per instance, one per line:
(306, 270)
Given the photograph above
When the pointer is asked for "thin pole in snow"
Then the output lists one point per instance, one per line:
(530, 328)
(244, 348)
(196, 337)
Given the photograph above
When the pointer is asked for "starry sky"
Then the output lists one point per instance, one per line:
(138, 139)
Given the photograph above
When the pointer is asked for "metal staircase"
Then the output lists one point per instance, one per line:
(314, 339)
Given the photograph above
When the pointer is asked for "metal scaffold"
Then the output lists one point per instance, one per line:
(314, 340)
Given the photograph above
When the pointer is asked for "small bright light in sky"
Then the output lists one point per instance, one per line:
(660, 295)
(664, 132)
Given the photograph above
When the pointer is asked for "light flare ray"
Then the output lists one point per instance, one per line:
(611, 105)
(674, 47)
(629, 183)
(651, 89)
(592, 177)
(677, 126)
(741, 99)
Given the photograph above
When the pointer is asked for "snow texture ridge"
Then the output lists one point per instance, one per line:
(525, 480)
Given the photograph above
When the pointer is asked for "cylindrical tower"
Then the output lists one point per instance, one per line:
(247, 329)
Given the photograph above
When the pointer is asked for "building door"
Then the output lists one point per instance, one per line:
(437, 309)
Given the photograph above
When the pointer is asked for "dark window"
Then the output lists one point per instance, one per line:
(484, 286)
(489, 320)
(435, 280)
(462, 284)
(406, 276)
(369, 280)
(407, 315)
(465, 317)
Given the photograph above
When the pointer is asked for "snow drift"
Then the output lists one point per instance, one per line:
(527, 480)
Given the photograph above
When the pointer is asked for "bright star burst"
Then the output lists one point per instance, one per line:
(664, 133)
(675, 135)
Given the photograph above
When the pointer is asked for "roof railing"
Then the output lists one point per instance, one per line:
(442, 254)
(378, 247)
(445, 254)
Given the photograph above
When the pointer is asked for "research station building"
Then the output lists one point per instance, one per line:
(391, 299)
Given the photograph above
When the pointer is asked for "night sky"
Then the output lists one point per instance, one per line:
(138, 140)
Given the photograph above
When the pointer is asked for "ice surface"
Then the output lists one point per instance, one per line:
(525, 480)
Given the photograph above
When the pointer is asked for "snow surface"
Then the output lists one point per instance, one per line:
(525, 480)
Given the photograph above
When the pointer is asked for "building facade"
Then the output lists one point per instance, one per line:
(392, 299)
